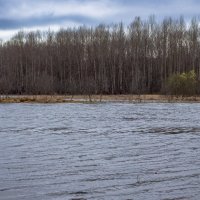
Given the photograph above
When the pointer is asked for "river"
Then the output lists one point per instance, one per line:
(100, 151)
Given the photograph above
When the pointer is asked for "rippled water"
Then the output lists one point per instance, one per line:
(99, 151)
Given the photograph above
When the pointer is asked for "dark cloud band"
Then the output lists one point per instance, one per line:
(9, 24)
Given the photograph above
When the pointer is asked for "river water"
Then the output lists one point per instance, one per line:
(99, 151)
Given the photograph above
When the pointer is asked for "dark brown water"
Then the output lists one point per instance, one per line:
(99, 151)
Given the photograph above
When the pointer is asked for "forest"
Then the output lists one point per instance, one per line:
(107, 59)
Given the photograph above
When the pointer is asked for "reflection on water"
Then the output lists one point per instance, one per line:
(99, 151)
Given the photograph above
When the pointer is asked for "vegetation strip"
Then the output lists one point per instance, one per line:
(97, 99)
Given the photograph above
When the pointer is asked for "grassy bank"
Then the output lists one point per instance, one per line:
(95, 98)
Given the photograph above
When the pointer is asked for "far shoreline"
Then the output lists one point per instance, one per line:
(153, 98)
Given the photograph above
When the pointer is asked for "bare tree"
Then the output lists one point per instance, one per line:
(100, 60)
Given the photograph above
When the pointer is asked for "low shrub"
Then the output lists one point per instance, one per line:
(184, 84)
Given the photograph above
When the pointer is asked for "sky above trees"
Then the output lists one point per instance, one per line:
(29, 15)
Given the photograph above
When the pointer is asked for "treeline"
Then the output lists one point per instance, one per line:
(114, 59)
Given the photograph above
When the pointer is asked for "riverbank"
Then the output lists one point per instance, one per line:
(95, 98)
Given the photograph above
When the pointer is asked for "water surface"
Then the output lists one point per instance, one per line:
(99, 151)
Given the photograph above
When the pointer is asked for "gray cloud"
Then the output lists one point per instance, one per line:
(46, 20)
(26, 14)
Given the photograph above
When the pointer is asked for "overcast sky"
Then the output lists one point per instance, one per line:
(44, 14)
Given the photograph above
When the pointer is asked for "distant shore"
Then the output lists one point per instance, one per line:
(96, 98)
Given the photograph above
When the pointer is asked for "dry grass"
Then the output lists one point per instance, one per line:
(94, 98)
